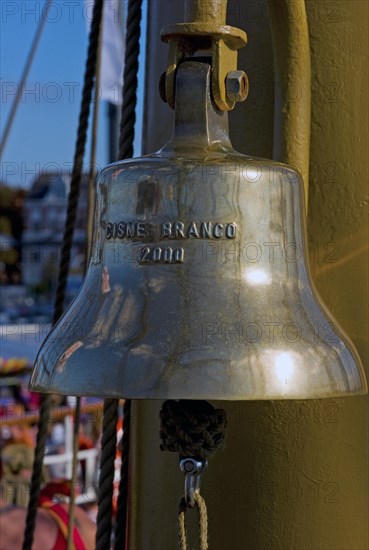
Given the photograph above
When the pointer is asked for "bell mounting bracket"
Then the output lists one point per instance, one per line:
(206, 31)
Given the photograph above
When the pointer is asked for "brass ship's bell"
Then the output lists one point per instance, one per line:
(198, 285)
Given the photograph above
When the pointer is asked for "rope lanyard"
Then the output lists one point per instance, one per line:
(203, 523)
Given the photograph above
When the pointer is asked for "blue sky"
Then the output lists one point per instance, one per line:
(44, 129)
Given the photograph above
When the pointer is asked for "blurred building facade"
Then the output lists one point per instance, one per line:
(45, 210)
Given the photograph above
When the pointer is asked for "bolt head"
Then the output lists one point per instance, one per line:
(237, 86)
(188, 466)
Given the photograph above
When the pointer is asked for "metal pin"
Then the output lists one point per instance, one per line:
(192, 469)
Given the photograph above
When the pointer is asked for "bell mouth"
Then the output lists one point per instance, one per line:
(242, 372)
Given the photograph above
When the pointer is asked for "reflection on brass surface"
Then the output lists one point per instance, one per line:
(206, 294)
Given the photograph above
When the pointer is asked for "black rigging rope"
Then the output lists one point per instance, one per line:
(130, 81)
(78, 158)
(65, 260)
(106, 478)
(128, 119)
(37, 471)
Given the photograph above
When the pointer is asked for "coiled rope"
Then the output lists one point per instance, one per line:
(192, 428)
(65, 261)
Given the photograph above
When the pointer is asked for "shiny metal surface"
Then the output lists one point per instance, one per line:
(205, 27)
(198, 285)
(192, 469)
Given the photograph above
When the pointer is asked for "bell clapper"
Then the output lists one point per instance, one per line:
(196, 430)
